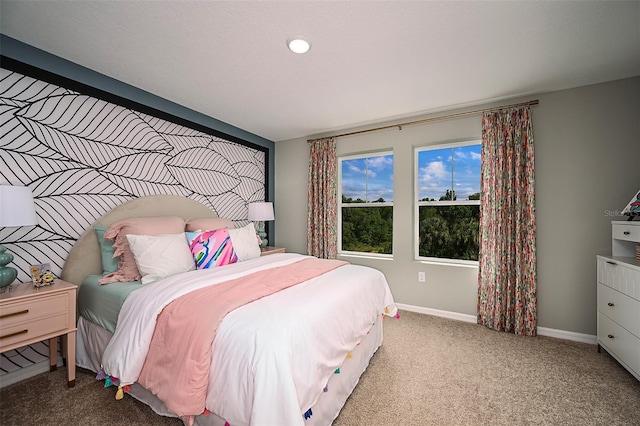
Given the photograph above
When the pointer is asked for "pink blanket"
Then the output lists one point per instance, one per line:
(177, 366)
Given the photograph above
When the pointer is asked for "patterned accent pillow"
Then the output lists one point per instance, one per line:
(211, 248)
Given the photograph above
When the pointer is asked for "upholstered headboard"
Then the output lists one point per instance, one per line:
(84, 258)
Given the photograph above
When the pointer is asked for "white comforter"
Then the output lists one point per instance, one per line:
(271, 358)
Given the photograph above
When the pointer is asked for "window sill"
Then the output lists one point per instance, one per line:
(372, 256)
(443, 262)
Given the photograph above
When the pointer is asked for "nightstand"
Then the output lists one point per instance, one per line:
(29, 315)
(271, 250)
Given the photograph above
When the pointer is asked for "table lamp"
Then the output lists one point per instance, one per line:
(16, 209)
(261, 212)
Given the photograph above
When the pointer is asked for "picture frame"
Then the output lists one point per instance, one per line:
(41, 275)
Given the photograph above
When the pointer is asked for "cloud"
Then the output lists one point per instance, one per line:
(353, 189)
(464, 190)
(355, 169)
(476, 155)
(430, 189)
(380, 162)
(435, 170)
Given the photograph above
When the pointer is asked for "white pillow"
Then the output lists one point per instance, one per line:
(158, 256)
(245, 242)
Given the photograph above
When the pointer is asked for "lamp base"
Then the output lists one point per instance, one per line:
(7, 274)
(263, 239)
(260, 232)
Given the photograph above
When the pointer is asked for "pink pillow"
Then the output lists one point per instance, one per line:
(157, 225)
(211, 248)
(207, 224)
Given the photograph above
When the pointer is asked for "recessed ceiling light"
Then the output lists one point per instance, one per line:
(298, 44)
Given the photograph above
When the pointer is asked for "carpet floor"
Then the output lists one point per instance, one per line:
(429, 371)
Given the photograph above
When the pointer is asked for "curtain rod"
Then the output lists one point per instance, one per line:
(429, 120)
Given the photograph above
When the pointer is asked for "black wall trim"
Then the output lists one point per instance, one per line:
(53, 78)
(50, 77)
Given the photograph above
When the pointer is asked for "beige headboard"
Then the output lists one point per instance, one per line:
(84, 258)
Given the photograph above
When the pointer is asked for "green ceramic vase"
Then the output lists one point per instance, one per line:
(7, 275)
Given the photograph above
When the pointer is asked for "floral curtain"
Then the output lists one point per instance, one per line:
(322, 204)
(507, 276)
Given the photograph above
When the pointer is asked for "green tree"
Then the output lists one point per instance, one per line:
(367, 229)
(434, 235)
(450, 232)
(449, 196)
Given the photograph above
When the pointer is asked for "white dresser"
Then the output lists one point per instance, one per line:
(619, 297)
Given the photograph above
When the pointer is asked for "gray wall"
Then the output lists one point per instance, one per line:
(587, 154)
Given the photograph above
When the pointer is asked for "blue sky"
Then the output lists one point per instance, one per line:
(368, 178)
(371, 178)
(435, 171)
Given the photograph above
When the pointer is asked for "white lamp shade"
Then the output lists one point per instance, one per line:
(260, 212)
(16, 206)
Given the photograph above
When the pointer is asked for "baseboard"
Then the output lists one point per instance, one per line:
(26, 372)
(542, 331)
(568, 335)
(438, 313)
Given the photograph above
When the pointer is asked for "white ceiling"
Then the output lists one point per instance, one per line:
(370, 60)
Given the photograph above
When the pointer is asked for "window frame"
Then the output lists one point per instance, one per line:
(342, 158)
(417, 204)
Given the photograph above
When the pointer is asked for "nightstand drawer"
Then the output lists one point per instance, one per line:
(29, 315)
(30, 330)
(31, 310)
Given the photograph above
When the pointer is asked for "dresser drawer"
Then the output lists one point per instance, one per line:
(24, 311)
(621, 344)
(625, 232)
(619, 276)
(620, 308)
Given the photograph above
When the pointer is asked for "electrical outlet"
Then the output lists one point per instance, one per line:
(421, 277)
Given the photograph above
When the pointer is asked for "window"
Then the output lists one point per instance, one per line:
(365, 213)
(448, 202)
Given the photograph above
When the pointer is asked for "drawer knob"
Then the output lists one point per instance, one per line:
(626, 232)
(17, 333)
(611, 263)
(13, 314)
(610, 304)
(610, 336)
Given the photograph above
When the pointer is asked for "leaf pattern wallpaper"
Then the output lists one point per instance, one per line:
(82, 156)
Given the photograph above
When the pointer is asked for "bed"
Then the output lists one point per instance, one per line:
(291, 357)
